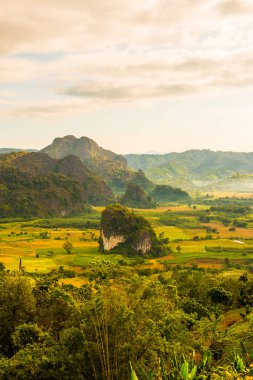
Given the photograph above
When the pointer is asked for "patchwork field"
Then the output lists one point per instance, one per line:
(191, 238)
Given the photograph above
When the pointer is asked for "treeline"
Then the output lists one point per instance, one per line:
(166, 193)
(228, 249)
(84, 222)
(158, 323)
(243, 210)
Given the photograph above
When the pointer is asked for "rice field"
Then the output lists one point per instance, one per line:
(41, 249)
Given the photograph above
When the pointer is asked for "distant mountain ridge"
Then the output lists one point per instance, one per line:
(188, 170)
(12, 150)
(197, 166)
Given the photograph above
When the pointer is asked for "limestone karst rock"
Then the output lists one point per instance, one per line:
(125, 232)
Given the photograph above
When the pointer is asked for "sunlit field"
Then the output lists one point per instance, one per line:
(41, 248)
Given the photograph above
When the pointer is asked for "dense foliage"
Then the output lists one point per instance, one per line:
(96, 191)
(165, 193)
(165, 325)
(25, 194)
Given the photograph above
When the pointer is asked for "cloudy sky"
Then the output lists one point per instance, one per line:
(136, 76)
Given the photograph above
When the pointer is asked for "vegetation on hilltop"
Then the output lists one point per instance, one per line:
(136, 197)
(140, 179)
(11, 150)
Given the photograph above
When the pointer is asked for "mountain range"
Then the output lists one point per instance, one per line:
(72, 173)
(12, 150)
(193, 168)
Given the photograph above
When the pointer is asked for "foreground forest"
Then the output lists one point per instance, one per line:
(177, 324)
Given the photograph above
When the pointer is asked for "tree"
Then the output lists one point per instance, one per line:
(25, 334)
(67, 245)
(2, 267)
(17, 306)
(178, 249)
(227, 262)
(219, 295)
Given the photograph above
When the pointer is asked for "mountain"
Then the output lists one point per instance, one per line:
(97, 192)
(141, 180)
(110, 166)
(192, 168)
(136, 197)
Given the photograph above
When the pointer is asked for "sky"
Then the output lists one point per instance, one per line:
(135, 76)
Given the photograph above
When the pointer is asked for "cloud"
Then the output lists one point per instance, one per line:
(234, 7)
(63, 57)
(129, 93)
(48, 109)
(39, 26)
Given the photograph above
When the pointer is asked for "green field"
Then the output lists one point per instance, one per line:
(38, 243)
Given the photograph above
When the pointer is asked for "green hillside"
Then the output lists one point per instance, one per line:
(97, 192)
(34, 184)
(192, 168)
(24, 194)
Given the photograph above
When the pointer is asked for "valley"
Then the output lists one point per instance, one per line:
(108, 272)
(192, 242)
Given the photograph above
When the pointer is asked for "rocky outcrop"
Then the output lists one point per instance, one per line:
(123, 231)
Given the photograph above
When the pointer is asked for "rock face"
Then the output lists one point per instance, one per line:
(144, 244)
(125, 232)
(112, 241)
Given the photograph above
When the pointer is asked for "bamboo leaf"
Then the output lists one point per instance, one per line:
(185, 370)
(133, 373)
